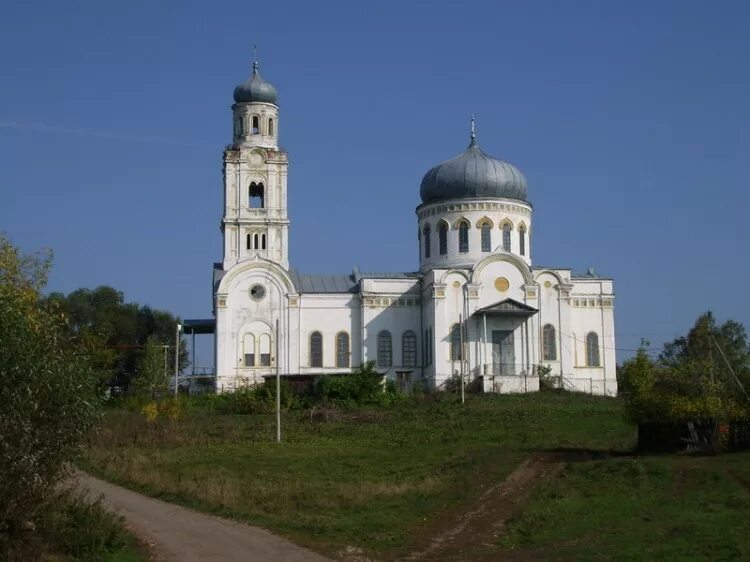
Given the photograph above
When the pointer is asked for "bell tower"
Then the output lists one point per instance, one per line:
(255, 222)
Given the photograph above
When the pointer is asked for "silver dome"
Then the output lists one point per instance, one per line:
(255, 89)
(473, 174)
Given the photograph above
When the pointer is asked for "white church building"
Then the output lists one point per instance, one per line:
(476, 305)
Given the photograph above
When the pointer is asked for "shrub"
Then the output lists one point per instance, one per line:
(253, 399)
(48, 396)
(71, 526)
(547, 381)
(363, 386)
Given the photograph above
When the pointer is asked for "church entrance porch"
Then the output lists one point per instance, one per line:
(505, 352)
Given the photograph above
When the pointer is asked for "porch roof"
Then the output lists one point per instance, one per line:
(508, 307)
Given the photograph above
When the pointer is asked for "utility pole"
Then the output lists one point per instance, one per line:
(461, 353)
(278, 388)
(176, 357)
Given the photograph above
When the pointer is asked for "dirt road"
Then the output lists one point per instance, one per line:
(178, 533)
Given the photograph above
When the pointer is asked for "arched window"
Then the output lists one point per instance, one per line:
(549, 343)
(316, 350)
(463, 237)
(486, 237)
(265, 350)
(385, 349)
(592, 349)
(270, 126)
(426, 238)
(443, 238)
(256, 196)
(263, 241)
(342, 350)
(255, 242)
(506, 237)
(409, 349)
(522, 240)
(249, 237)
(456, 342)
(249, 348)
(238, 128)
(256, 125)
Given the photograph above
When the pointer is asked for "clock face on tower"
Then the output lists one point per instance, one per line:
(256, 159)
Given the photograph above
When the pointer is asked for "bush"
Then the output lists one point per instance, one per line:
(547, 381)
(69, 525)
(364, 386)
(254, 399)
(48, 396)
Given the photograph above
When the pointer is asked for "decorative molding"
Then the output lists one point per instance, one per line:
(438, 290)
(440, 209)
(472, 290)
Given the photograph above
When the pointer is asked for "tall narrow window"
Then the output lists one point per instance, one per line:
(506, 237)
(239, 129)
(265, 350)
(249, 237)
(486, 237)
(256, 198)
(249, 350)
(256, 125)
(456, 342)
(592, 349)
(409, 349)
(342, 350)
(522, 240)
(385, 349)
(270, 126)
(426, 238)
(255, 242)
(443, 238)
(262, 241)
(463, 237)
(316, 350)
(549, 343)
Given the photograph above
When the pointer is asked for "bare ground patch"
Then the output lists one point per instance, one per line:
(473, 535)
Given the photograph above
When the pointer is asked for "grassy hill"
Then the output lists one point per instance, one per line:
(382, 479)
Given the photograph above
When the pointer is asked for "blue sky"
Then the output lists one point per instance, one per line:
(630, 120)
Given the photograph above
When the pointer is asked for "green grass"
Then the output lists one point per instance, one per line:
(649, 508)
(371, 478)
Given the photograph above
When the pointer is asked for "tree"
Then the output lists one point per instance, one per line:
(695, 377)
(48, 395)
(150, 376)
(102, 315)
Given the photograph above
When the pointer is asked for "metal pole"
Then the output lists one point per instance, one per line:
(278, 388)
(176, 357)
(193, 349)
(461, 351)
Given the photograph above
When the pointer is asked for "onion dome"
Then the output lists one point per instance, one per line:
(473, 174)
(255, 89)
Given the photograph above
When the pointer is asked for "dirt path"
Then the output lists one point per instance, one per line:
(177, 533)
(473, 535)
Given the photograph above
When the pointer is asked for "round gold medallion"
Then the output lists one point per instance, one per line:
(456, 284)
(547, 284)
(502, 284)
